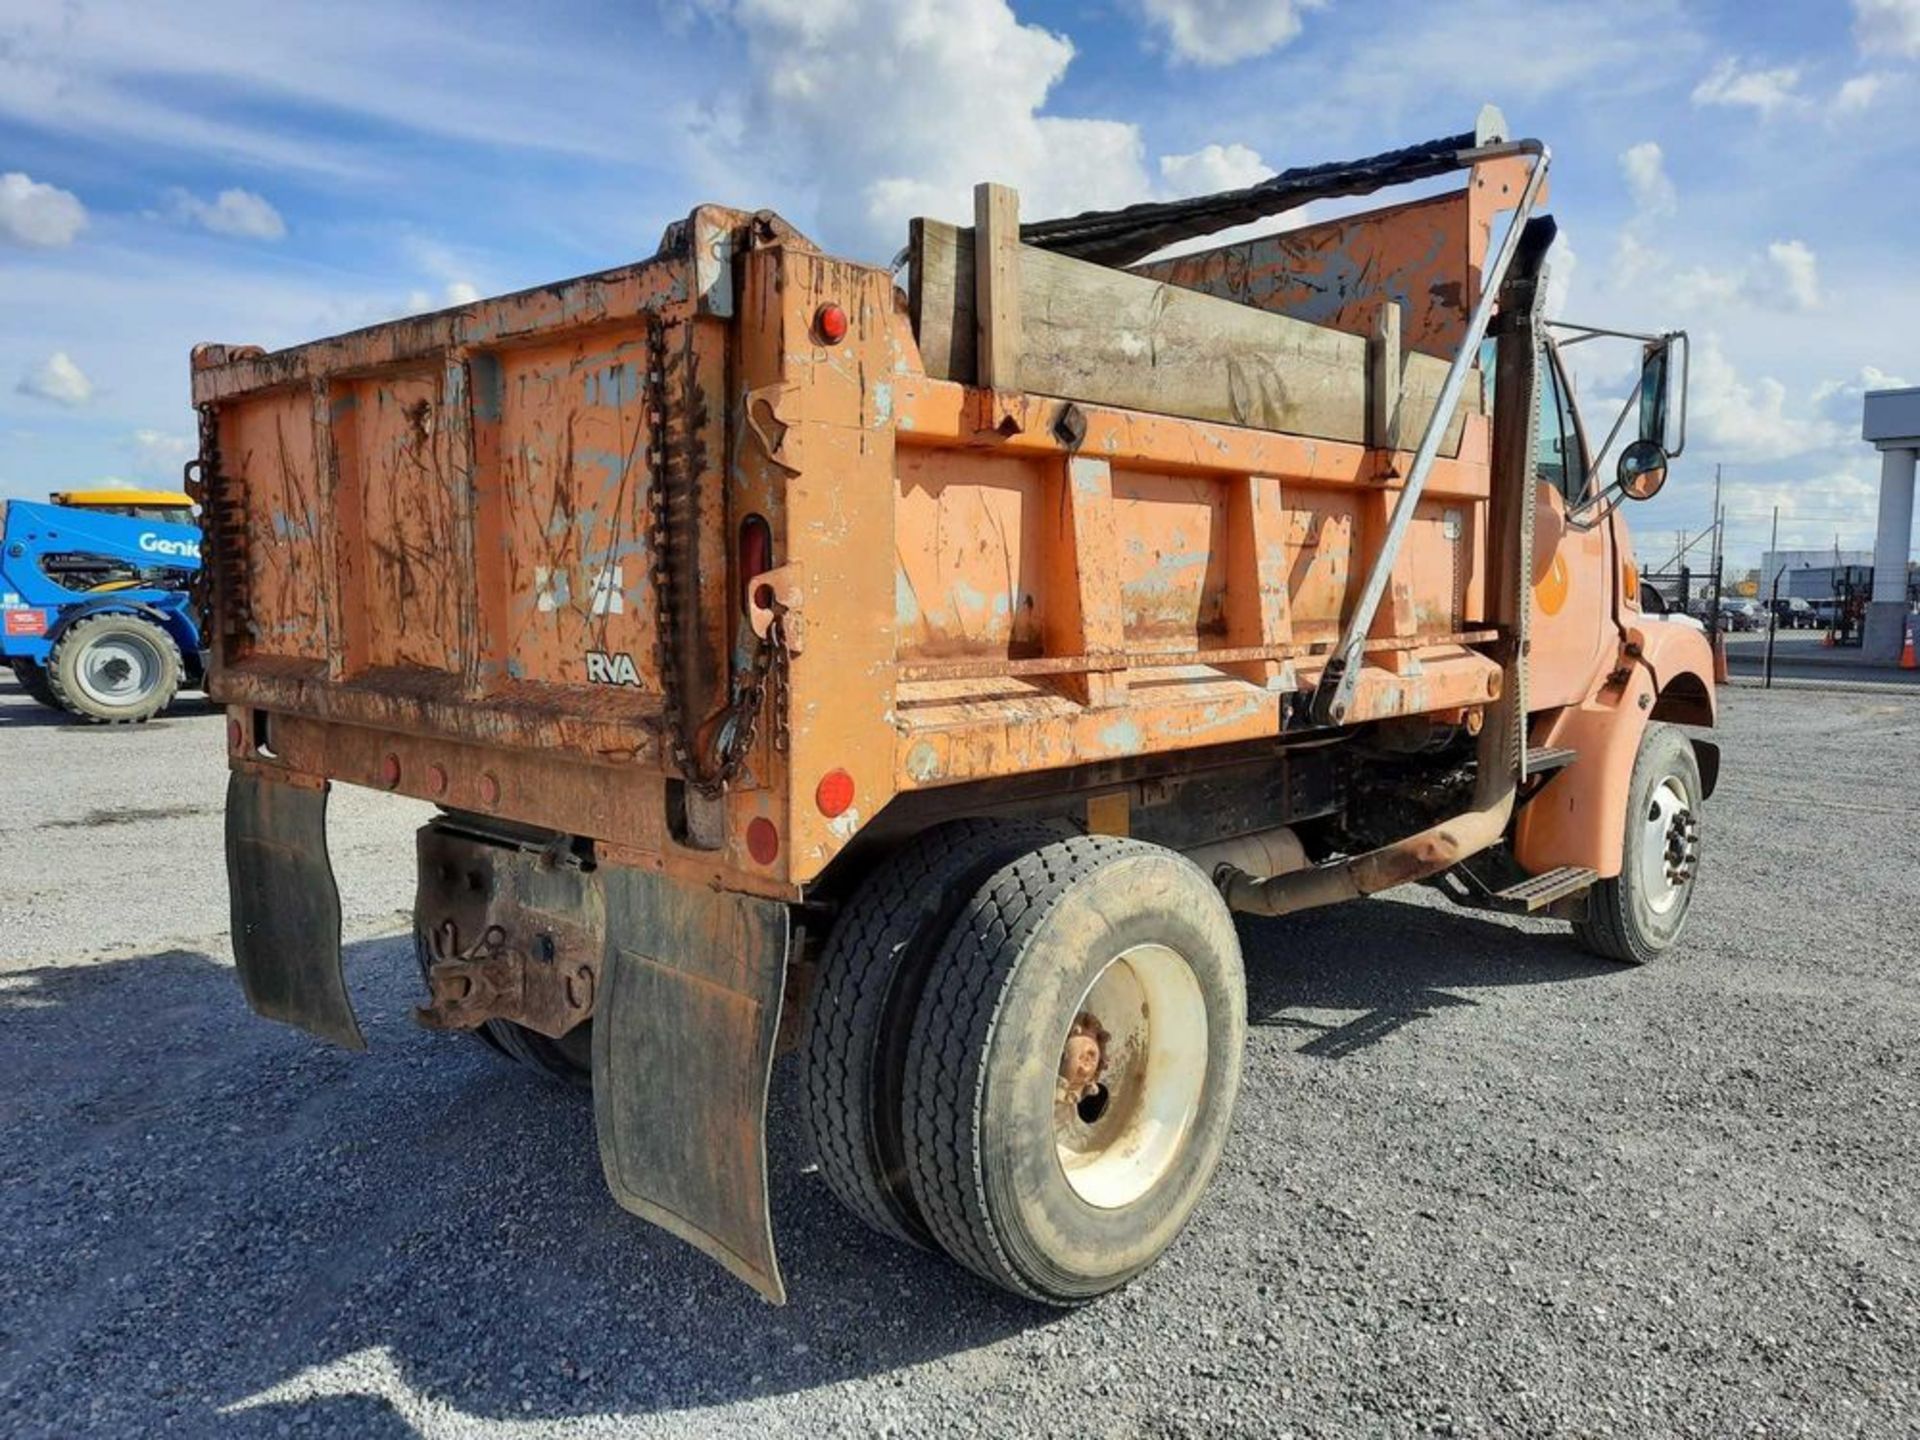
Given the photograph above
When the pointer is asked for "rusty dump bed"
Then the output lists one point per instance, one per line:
(499, 557)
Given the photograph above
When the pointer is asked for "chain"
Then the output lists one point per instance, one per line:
(769, 665)
(222, 531)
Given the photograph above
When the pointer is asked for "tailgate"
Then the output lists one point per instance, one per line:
(441, 525)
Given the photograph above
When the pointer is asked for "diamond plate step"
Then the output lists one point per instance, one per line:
(1545, 759)
(1537, 892)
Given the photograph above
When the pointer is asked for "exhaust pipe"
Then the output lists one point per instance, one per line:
(1430, 851)
(1502, 741)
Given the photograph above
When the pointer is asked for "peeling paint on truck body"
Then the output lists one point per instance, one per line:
(433, 546)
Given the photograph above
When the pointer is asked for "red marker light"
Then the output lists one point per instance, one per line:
(830, 323)
(763, 841)
(834, 793)
(390, 771)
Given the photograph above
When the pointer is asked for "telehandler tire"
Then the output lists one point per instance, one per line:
(1073, 1066)
(114, 669)
(871, 973)
(1635, 916)
(33, 680)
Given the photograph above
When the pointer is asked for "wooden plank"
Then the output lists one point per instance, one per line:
(996, 286)
(1108, 337)
(1384, 379)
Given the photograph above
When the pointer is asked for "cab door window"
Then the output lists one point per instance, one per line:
(1559, 457)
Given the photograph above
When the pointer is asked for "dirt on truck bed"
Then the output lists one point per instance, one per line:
(1481, 1184)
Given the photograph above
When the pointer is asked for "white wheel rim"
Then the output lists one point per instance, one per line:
(1122, 1113)
(1669, 845)
(118, 669)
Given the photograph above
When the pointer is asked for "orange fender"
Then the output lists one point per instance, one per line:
(1579, 817)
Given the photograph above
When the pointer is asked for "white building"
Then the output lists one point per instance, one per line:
(1808, 574)
(1892, 424)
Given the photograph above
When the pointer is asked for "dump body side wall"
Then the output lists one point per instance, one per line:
(429, 526)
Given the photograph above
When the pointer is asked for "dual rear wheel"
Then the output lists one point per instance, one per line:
(1024, 1050)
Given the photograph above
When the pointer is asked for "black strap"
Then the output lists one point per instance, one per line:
(1120, 237)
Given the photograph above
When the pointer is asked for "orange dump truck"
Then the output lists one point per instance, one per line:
(915, 669)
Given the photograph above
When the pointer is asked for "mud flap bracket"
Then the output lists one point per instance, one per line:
(683, 1038)
(286, 907)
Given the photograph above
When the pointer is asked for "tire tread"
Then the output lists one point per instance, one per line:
(75, 635)
(1608, 928)
(952, 1034)
(849, 1007)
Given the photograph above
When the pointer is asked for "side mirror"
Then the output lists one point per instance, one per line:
(1663, 420)
(1642, 470)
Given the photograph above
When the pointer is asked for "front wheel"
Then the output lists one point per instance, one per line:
(33, 680)
(1073, 1065)
(1636, 915)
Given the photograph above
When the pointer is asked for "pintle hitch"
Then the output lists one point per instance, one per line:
(511, 929)
(492, 980)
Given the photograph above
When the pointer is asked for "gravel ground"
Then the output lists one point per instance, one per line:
(1479, 1184)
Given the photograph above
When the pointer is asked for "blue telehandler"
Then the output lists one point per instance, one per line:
(96, 614)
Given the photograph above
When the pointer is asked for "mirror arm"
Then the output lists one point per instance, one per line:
(1593, 467)
(1592, 511)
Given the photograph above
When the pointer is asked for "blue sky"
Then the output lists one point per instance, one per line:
(171, 173)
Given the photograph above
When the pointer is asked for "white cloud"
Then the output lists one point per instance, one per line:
(1701, 287)
(1562, 263)
(530, 78)
(1786, 277)
(1740, 420)
(1839, 402)
(1645, 168)
(1762, 90)
(373, 309)
(1791, 275)
(1221, 32)
(948, 94)
(37, 214)
(57, 379)
(1633, 261)
(925, 126)
(1825, 497)
(156, 452)
(1858, 93)
(1887, 27)
(1211, 168)
(239, 213)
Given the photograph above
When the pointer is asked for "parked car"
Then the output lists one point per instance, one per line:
(1793, 613)
(1740, 615)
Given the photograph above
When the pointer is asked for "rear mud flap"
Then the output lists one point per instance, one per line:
(286, 908)
(683, 1034)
